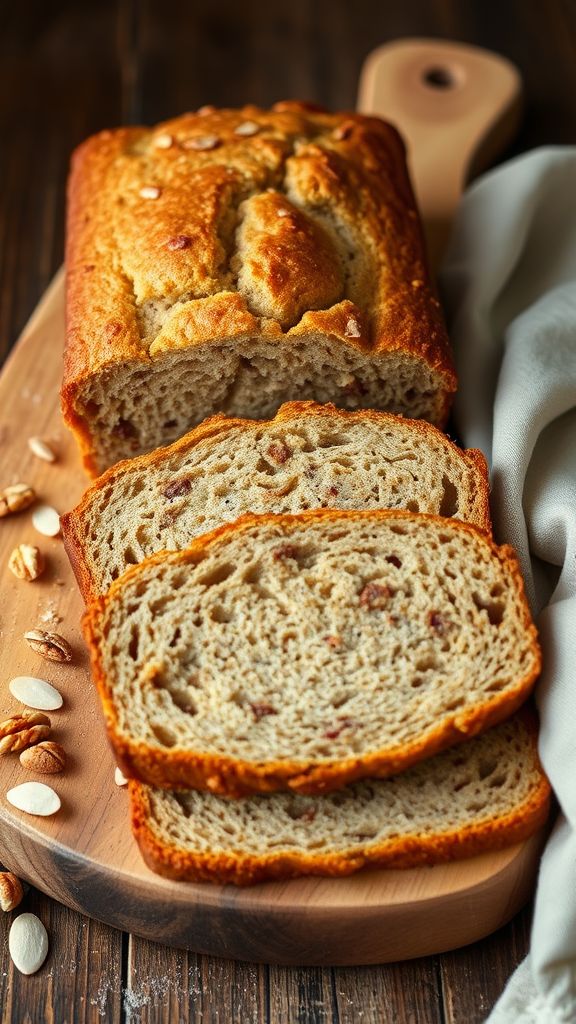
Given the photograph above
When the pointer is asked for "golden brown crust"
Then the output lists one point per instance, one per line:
(215, 425)
(181, 768)
(402, 852)
(342, 183)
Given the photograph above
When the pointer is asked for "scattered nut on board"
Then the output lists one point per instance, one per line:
(22, 731)
(35, 693)
(16, 498)
(47, 758)
(51, 646)
(27, 562)
(119, 777)
(46, 520)
(34, 798)
(28, 943)
(41, 449)
(11, 891)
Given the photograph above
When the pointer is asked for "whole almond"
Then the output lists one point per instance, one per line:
(27, 562)
(16, 498)
(28, 943)
(23, 738)
(11, 891)
(47, 758)
(49, 645)
(41, 450)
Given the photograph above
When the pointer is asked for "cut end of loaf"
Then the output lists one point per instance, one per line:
(483, 796)
(308, 651)
(141, 406)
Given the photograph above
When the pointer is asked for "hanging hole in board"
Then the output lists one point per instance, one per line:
(439, 78)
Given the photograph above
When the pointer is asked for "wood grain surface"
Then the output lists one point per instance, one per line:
(66, 70)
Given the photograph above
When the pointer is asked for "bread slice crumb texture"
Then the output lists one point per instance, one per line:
(308, 456)
(310, 650)
(486, 794)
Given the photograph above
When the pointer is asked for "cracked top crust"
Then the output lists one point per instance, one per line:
(228, 223)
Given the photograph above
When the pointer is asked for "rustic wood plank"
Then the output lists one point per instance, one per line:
(409, 992)
(474, 977)
(81, 979)
(302, 996)
(166, 985)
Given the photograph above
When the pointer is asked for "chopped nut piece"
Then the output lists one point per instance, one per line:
(41, 450)
(202, 142)
(179, 242)
(262, 710)
(150, 192)
(164, 141)
(15, 498)
(333, 734)
(374, 595)
(285, 551)
(11, 891)
(47, 758)
(119, 777)
(177, 488)
(279, 452)
(26, 562)
(352, 328)
(49, 645)
(247, 128)
(440, 623)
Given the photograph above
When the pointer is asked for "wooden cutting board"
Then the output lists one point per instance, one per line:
(84, 855)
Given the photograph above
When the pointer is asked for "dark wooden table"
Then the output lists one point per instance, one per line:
(68, 69)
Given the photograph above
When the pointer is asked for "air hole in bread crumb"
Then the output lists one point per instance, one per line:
(175, 637)
(416, 683)
(164, 736)
(494, 687)
(497, 780)
(449, 502)
(401, 531)
(493, 609)
(219, 614)
(134, 642)
(413, 506)
(219, 574)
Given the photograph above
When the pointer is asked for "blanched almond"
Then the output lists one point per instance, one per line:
(28, 943)
(35, 693)
(34, 798)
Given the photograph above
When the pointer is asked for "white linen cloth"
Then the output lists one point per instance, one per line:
(509, 284)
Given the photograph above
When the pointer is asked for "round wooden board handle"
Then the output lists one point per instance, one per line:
(456, 107)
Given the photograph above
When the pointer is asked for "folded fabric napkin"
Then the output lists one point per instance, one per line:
(509, 284)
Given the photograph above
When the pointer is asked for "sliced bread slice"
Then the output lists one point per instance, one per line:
(309, 651)
(308, 456)
(484, 795)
